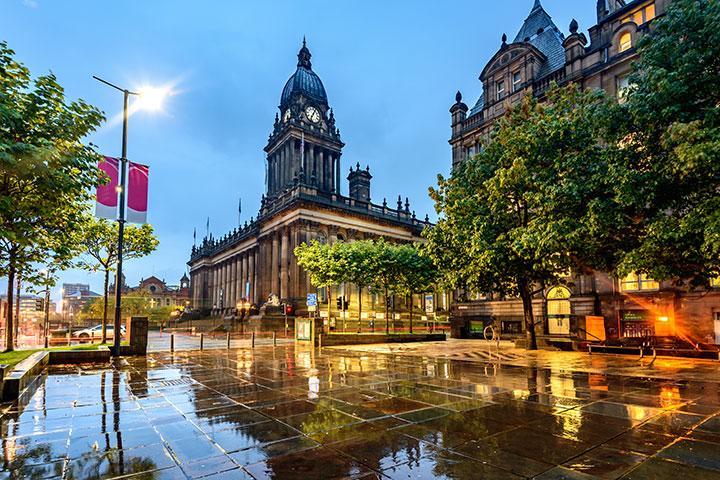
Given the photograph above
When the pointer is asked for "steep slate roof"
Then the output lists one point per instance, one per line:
(542, 33)
(540, 30)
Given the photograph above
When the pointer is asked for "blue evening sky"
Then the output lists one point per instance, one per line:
(391, 70)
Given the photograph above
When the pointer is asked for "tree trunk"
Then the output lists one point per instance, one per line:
(329, 300)
(105, 307)
(17, 312)
(526, 297)
(359, 309)
(411, 307)
(387, 319)
(9, 324)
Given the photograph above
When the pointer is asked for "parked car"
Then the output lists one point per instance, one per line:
(86, 334)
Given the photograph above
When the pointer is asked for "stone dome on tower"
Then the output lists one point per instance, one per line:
(304, 81)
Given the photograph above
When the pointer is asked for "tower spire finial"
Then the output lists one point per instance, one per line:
(304, 56)
(537, 5)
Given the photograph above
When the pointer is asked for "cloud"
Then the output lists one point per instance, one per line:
(30, 3)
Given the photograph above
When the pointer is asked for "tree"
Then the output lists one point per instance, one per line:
(99, 251)
(670, 175)
(417, 273)
(46, 173)
(361, 268)
(532, 204)
(326, 264)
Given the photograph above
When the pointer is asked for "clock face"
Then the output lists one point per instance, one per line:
(286, 116)
(312, 114)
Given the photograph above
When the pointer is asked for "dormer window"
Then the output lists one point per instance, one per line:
(516, 81)
(641, 16)
(625, 42)
(500, 89)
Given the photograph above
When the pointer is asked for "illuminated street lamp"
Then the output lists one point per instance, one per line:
(149, 99)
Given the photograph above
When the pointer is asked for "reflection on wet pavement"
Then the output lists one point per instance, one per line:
(291, 412)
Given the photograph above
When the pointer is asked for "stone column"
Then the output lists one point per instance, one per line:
(284, 247)
(275, 258)
(216, 286)
(234, 280)
(252, 271)
(283, 166)
(337, 172)
(320, 158)
(239, 282)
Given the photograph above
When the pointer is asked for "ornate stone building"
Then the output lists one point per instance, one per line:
(302, 202)
(537, 56)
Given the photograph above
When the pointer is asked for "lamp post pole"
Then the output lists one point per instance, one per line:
(121, 218)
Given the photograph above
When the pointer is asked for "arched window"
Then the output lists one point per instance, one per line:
(558, 310)
(558, 301)
(625, 42)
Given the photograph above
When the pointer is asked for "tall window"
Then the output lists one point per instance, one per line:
(625, 42)
(641, 16)
(516, 81)
(637, 282)
(500, 89)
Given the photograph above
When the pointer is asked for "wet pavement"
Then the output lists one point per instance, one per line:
(295, 413)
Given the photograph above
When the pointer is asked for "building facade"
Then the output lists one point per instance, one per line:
(540, 54)
(302, 202)
(160, 294)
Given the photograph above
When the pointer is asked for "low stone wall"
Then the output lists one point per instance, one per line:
(329, 340)
(26, 372)
(59, 357)
(23, 375)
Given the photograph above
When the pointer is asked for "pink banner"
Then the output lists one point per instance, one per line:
(137, 193)
(107, 196)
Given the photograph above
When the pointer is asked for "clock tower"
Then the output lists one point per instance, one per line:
(304, 147)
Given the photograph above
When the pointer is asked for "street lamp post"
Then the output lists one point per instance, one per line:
(121, 217)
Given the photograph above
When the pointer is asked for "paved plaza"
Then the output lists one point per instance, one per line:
(420, 411)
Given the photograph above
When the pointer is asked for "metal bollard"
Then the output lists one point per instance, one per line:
(202, 338)
(172, 342)
(253, 339)
(92, 337)
(274, 339)
(68, 338)
(228, 340)
(590, 348)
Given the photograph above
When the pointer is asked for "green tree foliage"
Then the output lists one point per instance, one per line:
(670, 177)
(531, 205)
(380, 265)
(99, 239)
(46, 172)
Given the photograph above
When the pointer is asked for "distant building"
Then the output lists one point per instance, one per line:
(163, 295)
(32, 307)
(74, 298)
(631, 307)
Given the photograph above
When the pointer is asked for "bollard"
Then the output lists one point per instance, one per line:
(319, 341)
(590, 348)
(253, 339)
(228, 340)
(172, 342)
(202, 338)
(68, 338)
(274, 339)
(92, 338)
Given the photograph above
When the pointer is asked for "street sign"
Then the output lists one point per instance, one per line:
(429, 303)
(312, 302)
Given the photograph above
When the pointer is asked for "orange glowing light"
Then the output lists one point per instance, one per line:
(663, 319)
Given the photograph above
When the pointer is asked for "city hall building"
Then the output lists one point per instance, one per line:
(537, 56)
(302, 202)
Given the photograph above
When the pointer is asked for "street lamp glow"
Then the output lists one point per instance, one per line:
(152, 98)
